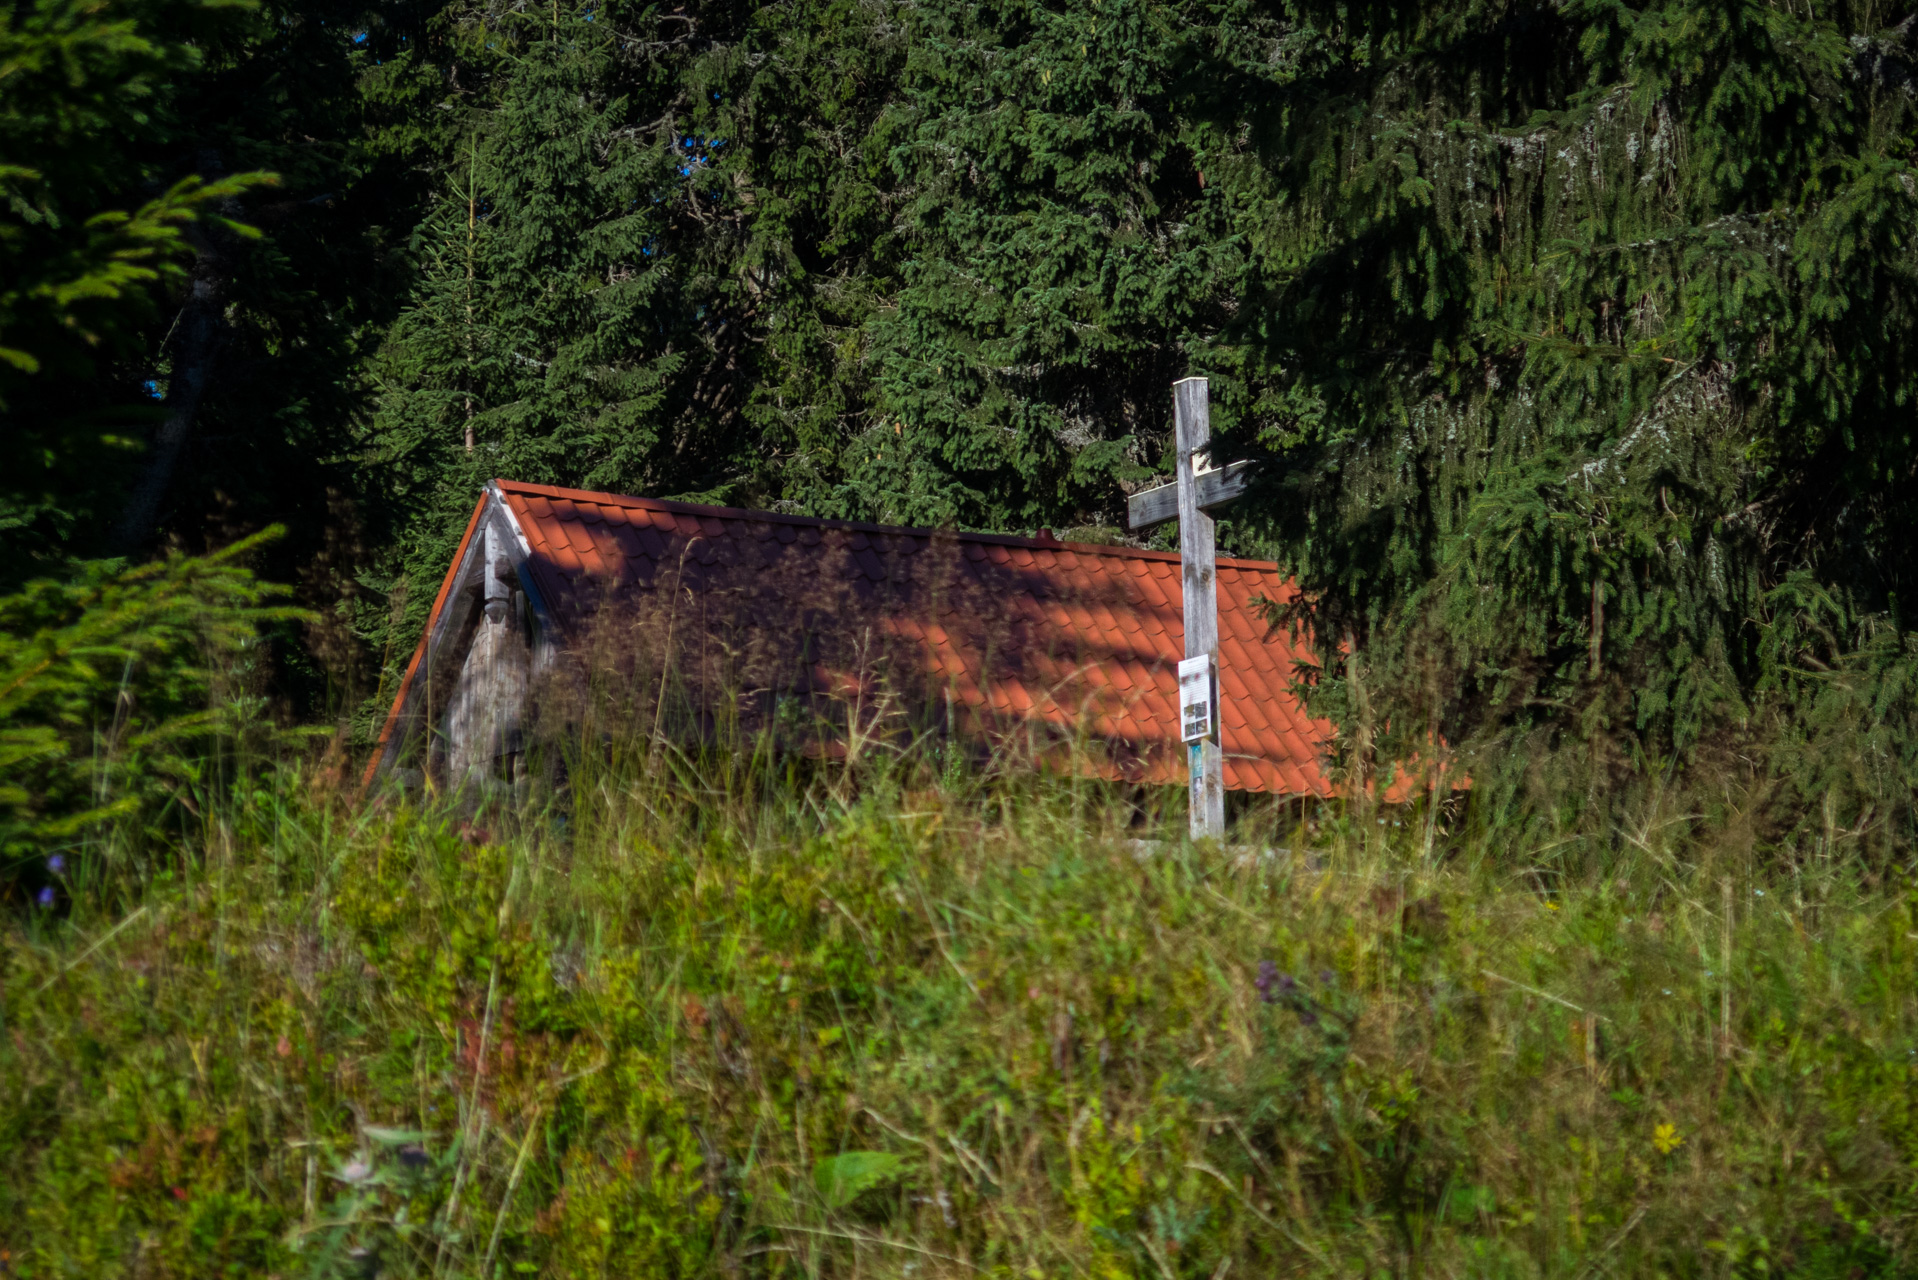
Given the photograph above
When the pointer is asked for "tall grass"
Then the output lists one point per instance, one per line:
(732, 1020)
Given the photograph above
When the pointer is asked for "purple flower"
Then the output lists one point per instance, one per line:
(57, 864)
(1273, 986)
(46, 897)
(1282, 988)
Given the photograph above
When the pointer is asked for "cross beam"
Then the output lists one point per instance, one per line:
(1216, 487)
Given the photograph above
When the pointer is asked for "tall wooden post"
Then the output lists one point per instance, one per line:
(1198, 564)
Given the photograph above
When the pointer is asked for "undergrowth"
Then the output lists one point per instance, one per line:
(714, 1023)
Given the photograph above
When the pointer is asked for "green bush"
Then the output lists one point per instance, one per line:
(117, 690)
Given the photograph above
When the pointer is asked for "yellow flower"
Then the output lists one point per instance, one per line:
(1667, 1139)
(1551, 906)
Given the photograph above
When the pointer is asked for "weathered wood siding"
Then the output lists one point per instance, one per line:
(486, 712)
(485, 717)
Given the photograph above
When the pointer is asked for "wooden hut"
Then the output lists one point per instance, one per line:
(698, 620)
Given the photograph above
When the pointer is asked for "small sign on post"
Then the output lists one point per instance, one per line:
(1198, 702)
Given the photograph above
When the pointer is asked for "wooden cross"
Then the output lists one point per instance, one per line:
(1199, 489)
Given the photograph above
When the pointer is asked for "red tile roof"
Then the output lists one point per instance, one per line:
(1061, 641)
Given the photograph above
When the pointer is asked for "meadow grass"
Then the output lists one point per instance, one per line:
(718, 1021)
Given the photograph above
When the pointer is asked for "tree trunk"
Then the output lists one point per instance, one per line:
(199, 336)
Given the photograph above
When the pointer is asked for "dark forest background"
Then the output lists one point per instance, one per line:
(1577, 338)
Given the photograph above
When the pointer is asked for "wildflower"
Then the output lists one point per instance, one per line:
(413, 1156)
(45, 897)
(357, 1171)
(1667, 1138)
(1273, 986)
(57, 864)
(1551, 906)
(1281, 988)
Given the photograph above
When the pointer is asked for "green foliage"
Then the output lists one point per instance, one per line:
(764, 1026)
(154, 278)
(1048, 280)
(83, 87)
(1570, 335)
(114, 686)
(1579, 332)
(843, 1178)
(539, 340)
(83, 253)
(1575, 338)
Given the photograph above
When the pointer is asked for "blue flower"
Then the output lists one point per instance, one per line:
(57, 864)
(46, 897)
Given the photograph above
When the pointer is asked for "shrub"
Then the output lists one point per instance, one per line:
(117, 688)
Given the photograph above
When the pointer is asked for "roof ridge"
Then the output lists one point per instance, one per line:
(855, 526)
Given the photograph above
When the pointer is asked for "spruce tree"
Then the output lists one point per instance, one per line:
(1052, 282)
(554, 306)
(1582, 335)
